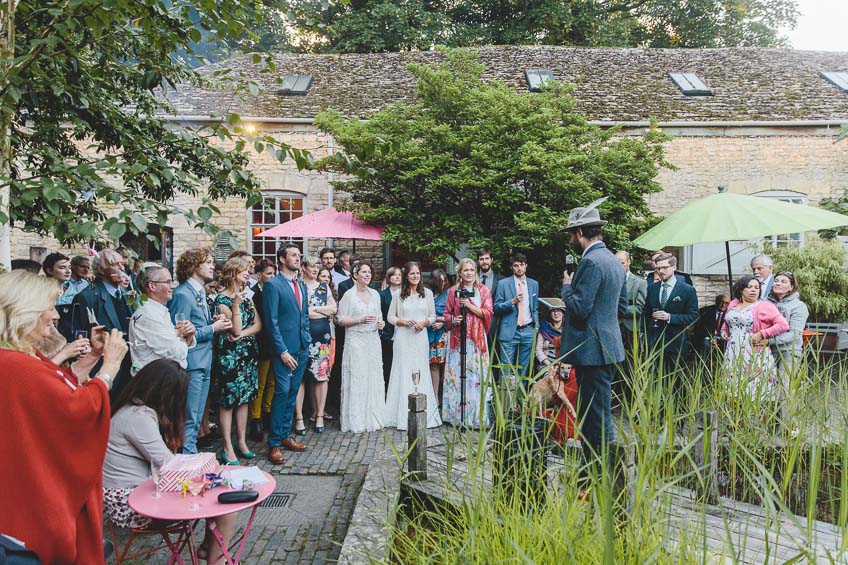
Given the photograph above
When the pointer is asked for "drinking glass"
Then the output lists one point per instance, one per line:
(156, 474)
(178, 318)
(195, 487)
(416, 378)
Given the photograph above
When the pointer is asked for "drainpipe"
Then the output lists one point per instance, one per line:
(331, 149)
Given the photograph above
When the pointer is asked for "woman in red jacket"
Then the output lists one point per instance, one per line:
(748, 325)
(55, 424)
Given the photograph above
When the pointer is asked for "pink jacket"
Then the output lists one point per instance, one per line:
(768, 320)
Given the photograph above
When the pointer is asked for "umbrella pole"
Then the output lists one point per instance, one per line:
(729, 272)
(354, 247)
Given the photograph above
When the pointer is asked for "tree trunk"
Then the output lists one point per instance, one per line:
(7, 55)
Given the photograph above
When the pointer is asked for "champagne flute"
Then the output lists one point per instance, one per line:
(416, 378)
(156, 474)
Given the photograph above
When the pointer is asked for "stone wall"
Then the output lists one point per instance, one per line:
(812, 165)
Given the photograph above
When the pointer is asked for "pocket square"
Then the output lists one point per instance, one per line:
(676, 299)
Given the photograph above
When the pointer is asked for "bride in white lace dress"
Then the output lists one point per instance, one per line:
(363, 402)
(411, 312)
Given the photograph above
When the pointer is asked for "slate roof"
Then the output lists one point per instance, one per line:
(611, 84)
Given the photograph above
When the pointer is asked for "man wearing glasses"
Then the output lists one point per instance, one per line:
(151, 331)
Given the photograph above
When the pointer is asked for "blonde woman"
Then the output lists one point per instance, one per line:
(476, 300)
(55, 477)
(236, 358)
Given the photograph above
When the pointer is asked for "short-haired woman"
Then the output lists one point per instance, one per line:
(411, 312)
(748, 325)
(55, 424)
(148, 422)
(322, 310)
(236, 359)
(476, 300)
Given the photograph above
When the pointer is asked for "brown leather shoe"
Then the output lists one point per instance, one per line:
(292, 445)
(275, 455)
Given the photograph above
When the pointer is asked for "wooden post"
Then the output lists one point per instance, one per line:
(417, 437)
(706, 456)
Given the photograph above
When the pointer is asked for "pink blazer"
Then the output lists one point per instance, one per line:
(768, 320)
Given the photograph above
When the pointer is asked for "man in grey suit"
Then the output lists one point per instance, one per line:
(286, 316)
(637, 291)
(594, 297)
(195, 268)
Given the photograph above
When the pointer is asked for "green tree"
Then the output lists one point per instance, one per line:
(370, 26)
(87, 152)
(479, 164)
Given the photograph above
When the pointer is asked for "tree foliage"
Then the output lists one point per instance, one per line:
(370, 26)
(479, 164)
(82, 93)
(821, 269)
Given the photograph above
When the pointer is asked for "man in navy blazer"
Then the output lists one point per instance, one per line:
(195, 268)
(517, 304)
(106, 299)
(594, 298)
(284, 301)
(490, 279)
(671, 307)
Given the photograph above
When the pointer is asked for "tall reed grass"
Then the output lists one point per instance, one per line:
(787, 457)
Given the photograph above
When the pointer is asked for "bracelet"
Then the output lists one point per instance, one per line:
(105, 377)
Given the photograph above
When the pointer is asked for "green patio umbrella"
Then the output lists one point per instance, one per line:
(735, 217)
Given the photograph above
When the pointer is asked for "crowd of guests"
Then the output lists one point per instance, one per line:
(259, 344)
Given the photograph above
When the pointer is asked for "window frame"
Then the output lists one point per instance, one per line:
(277, 213)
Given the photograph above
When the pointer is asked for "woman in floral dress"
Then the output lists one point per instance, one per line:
(236, 359)
(322, 310)
(748, 325)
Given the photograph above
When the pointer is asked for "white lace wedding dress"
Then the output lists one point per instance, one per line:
(411, 353)
(363, 403)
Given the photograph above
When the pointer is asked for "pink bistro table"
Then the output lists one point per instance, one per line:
(173, 506)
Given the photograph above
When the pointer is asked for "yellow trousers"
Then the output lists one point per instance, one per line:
(262, 404)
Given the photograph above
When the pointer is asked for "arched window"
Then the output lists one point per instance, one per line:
(275, 209)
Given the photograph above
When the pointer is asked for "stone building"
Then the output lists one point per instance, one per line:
(759, 121)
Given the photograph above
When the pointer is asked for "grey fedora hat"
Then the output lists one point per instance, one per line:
(586, 216)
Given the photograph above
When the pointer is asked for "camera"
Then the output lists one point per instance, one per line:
(464, 293)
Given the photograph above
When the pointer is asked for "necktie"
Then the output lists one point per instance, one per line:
(664, 294)
(484, 278)
(297, 293)
(520, 287)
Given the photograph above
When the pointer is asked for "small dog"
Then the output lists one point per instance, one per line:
(551, 386)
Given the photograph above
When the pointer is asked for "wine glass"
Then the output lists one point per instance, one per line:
(195, 487)
(416, 378)
(156, 474)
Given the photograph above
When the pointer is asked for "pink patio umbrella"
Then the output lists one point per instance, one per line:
(326, 223)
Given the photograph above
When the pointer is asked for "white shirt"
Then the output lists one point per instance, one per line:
(338, 277)
(672, 280)
(153, 336)
(764, 287)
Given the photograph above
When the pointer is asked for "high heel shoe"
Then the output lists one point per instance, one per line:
(245, 454)
(319, 429)
(222, 457)
(297, 431)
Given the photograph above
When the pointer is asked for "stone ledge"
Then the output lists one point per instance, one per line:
(370, 529)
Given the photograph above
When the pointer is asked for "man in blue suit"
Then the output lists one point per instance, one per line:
(594, 298)
(517, 304)
(195, 268)
(284, 302)
(671, 307)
